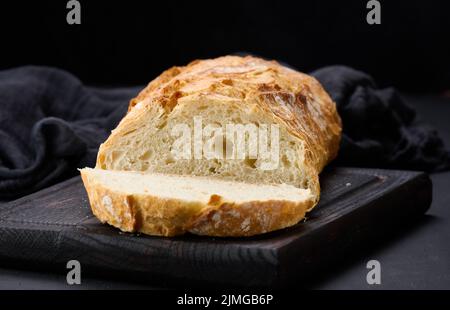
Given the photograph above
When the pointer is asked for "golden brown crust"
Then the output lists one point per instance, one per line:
(109, 206)
(249, 219)
(296, 99)
(170, 217)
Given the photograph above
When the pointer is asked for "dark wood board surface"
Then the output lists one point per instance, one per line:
(51, 227)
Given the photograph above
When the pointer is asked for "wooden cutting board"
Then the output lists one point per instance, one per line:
(53, 226)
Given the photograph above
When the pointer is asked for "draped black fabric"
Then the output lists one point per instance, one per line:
(51, 124)
(380, 129)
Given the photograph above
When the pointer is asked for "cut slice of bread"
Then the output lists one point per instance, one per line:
(169, 205)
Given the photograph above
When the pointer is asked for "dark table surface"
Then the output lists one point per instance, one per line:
(415, 258)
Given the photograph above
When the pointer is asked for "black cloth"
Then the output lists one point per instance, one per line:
(51, 124)
(380, 129)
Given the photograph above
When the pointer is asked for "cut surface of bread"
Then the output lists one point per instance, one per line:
(286, 129)
(222, 91)
(168, 205)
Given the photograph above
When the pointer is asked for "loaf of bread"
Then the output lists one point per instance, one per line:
(284, 130)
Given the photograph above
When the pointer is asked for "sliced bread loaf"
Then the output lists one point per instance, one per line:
(168, 205)
(222, 91)
(284, 130)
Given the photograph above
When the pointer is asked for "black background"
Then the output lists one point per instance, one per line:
(131, 42)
